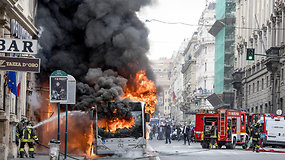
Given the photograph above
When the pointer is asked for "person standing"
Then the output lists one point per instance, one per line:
(27, 135)
(149, 131)
(192, 134)
(160, 133)
(167, 132)
(19, 127)
(214, 137)
(186, 132)
(256, 138)
(178, 132)
(153, 129)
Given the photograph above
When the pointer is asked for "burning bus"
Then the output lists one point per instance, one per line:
(121, 128)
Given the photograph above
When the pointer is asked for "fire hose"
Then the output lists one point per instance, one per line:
(263, 150)
(59, 152)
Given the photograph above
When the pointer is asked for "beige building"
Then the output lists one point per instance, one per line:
(16, 21)
(198, 67)
(176, 85)
(189, 77)
(259, 83)
(161, 69)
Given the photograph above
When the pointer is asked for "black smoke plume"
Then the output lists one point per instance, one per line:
(102, 43)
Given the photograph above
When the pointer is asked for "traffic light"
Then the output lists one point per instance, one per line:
(250, 54)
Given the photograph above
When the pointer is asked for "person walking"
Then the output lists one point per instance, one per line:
(167, 133)
(27, 135)
(186, 132)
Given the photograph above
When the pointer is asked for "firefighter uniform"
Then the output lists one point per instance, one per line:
(19, 127)
(214, 134)
(256, 138)
(249, 130)
(229, 135)
(27, 135)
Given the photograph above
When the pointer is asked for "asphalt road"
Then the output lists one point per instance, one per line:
(178, 151)
(158, 150)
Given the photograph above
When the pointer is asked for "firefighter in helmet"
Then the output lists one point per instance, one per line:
(214, 136)
(256, 137)
(27, 135)
(19, 127)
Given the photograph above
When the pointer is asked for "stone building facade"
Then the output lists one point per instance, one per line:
(259, 84)
(198, 67)
(16, 21)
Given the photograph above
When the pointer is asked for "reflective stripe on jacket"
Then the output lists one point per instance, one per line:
(28, 135)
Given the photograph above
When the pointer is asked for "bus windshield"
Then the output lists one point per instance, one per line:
(132, 127)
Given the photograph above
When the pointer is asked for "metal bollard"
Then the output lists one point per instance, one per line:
(54, 149)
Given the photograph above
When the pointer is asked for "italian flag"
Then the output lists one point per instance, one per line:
(18, 82)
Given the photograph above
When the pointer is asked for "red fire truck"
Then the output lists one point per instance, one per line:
(231, 126)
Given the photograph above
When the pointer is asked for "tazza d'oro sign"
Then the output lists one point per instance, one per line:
(20, 64)
(26, 46)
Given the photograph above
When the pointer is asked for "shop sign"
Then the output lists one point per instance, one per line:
(20, 64)
(8, 45)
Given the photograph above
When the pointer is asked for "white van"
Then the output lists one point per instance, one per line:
(275, 127)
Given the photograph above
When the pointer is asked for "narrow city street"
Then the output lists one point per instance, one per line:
(96, 78)
(158, 150)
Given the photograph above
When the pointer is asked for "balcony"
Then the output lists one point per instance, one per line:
(186, 65)
(273, 64)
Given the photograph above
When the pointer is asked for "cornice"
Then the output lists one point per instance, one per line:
(14, 12)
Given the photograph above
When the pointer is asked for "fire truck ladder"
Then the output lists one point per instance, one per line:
(222, 124)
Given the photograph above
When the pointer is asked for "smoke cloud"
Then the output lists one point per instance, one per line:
(35, 100)
(102, 43)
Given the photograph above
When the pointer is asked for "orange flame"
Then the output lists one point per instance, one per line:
(144, 91)
(90, 150)
(115, 123)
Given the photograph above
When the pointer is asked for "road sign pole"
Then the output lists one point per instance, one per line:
(59, 94)
(65, 149)
(58, 128)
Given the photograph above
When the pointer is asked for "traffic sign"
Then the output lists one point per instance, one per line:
(279, 112)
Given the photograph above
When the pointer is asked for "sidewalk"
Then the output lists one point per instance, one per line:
(45, 157)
